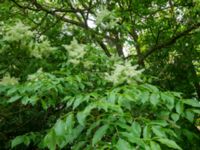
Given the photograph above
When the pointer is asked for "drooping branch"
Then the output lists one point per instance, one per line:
(169, 42)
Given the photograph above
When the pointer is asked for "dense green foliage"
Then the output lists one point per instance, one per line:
(66, 81)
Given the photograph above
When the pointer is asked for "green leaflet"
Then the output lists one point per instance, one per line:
(92, 127)
(136, 129)
(123, 145)
(169, 143)
(154, 98)
(12, 91)
(50, 140)
(162, 123)
(17, 140)
(59, 128)
(175, 116)
(14, 98)
(168, 99)
(98, 135)
(132, 139)
(189, 114)
(192, 102)
(81, 116)
(79, 145)
(158, 131)
(179, 107)
(144, 97)
(154, 146)
(147, 132)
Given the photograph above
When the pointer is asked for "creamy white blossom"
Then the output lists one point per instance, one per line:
(35, 76)
(103, 13)
(18, 32)
(8, 80)
(41, 49)
(123, 72)
(21, 32)
(75, 50)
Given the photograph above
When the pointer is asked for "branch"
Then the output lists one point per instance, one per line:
(59, 14)
(103, 46)
(169, 41)
(134, 35)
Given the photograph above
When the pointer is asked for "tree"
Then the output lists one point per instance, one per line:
(63, 63)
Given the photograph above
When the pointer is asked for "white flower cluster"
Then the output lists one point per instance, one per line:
(18, 32)
(76, 51)
(21, 32)
(123, 72)
(8, 80)
(35, 76)
(41, 49)
(103, 14)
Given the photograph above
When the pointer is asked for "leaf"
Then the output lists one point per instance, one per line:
(70, 101)
(131, 138)
(99, 134)
(175, 116)
(123, 145)
(179, 107)
(79, 145)
(154, 98)
(11, 91)
(76, 132)
(112, 97)
(27, 140)
(136, 129)
(33, 100)
(190, 135)
(77, 102)
(154, 146)
(158, 131)
(16, 141)
(92, 127)
(69, 123)
(123, 125)
(144, 97)
(59, 128)
(169, 143)
(14, 98)
(162, 123)
(189, 115)
(146, 132)
(124, 103)
(164, 115)
(150, 88)
(25, 100)
(176, 94)
(44, 105)
(170, 132)
(168, 99)
(196, 111)
(81, 116)
(147, 147)
(192, 102)
(50, 140)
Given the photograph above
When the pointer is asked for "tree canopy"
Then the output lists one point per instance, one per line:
(100, 74)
